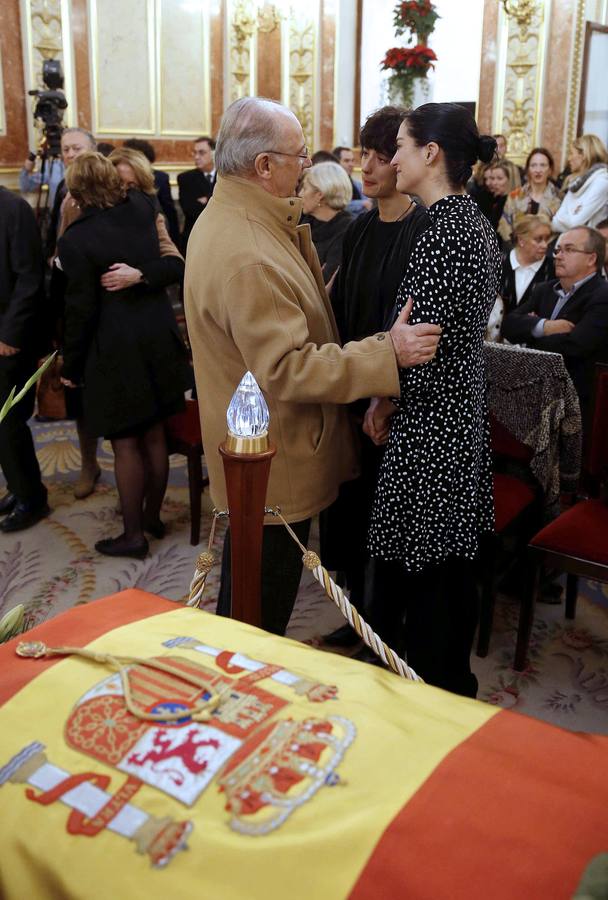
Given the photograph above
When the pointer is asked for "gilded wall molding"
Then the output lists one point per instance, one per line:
(2, 111)
(242, 45)
(300, 72)
(522, 37)
(46, 35)
(575, 73)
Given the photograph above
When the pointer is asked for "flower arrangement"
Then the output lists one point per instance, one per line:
(418, 16)
(407, 64)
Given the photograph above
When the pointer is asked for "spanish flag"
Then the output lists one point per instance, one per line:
(187, 755)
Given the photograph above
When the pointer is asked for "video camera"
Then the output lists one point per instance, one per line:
(50, 106)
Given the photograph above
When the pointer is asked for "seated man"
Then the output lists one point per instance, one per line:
(569, 315)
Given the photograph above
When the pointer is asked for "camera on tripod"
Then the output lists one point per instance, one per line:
(50, 105)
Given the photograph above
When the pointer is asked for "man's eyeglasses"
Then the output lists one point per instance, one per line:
(567, 250)
(303, 155)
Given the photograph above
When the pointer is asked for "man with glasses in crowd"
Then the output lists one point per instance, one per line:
(196, 185)
(570, 314)
(262, 306)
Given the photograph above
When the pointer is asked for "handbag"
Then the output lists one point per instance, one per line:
(50, 393)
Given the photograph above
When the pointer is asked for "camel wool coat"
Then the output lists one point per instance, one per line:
(255, 300)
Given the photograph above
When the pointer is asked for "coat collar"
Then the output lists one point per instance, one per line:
(241, 193)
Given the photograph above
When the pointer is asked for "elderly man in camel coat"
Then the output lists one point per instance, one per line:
(255, 300)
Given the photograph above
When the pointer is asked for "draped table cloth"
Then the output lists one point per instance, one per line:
(316, 776)
(532, 395)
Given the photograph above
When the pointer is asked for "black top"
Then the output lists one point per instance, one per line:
(327, 238)
(124, 345)
(375, 255)
(21, 269)
(507, 286)
(434, 495)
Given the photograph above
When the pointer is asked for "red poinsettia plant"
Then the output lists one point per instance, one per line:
(409, 63)
(417, 16)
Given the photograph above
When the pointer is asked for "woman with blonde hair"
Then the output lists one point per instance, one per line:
(538, 196)
(586, 194)
(135, 171)
(325, 192)
(122, 345)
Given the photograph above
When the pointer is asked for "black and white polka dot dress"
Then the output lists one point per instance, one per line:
(434, 494)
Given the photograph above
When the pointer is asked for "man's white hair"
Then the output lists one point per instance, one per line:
(249, 127)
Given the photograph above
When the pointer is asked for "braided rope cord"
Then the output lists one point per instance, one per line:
(335, 593)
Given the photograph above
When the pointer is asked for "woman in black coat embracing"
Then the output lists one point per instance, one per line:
(123, 345)
(434, 497)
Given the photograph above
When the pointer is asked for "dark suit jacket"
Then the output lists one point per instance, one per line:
(163, 192)
(192, 185)
(586, 344)
(21, 273)
(507, 285)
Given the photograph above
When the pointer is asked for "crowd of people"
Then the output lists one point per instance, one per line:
(360, 307)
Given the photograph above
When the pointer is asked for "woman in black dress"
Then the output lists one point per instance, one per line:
(123, 345)
(434, 497)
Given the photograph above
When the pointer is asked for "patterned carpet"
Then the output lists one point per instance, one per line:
(53, 567)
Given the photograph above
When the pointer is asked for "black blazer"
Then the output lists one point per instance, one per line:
(507, 285)
(192, 185)
(165, 198)
(21, 274)
(124, 345)
(586, 344)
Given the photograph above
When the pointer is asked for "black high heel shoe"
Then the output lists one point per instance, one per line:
(157, 529)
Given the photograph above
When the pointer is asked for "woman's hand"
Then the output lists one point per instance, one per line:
(120, 276)
(377, 421)
(67, 383)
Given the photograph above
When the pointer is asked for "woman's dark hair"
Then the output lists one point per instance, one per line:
(544, 152)
(380, 130)
(453, 128)
(144, 147)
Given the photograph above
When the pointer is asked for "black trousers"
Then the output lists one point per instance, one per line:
(17, 454)
(281, 573)
(432, 616)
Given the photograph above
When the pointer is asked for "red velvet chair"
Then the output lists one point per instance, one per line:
(516, 511)
(577, 541)
(184, 436)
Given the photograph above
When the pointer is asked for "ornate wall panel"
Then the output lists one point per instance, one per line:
(183, 67)
(241, 41)
(300, 67)
(45, 26)
(123, 66)
(521, 48)
(285, 51)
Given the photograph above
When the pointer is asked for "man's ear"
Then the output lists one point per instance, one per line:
(262, 166)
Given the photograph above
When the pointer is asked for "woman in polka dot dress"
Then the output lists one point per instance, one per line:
(434, 494)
